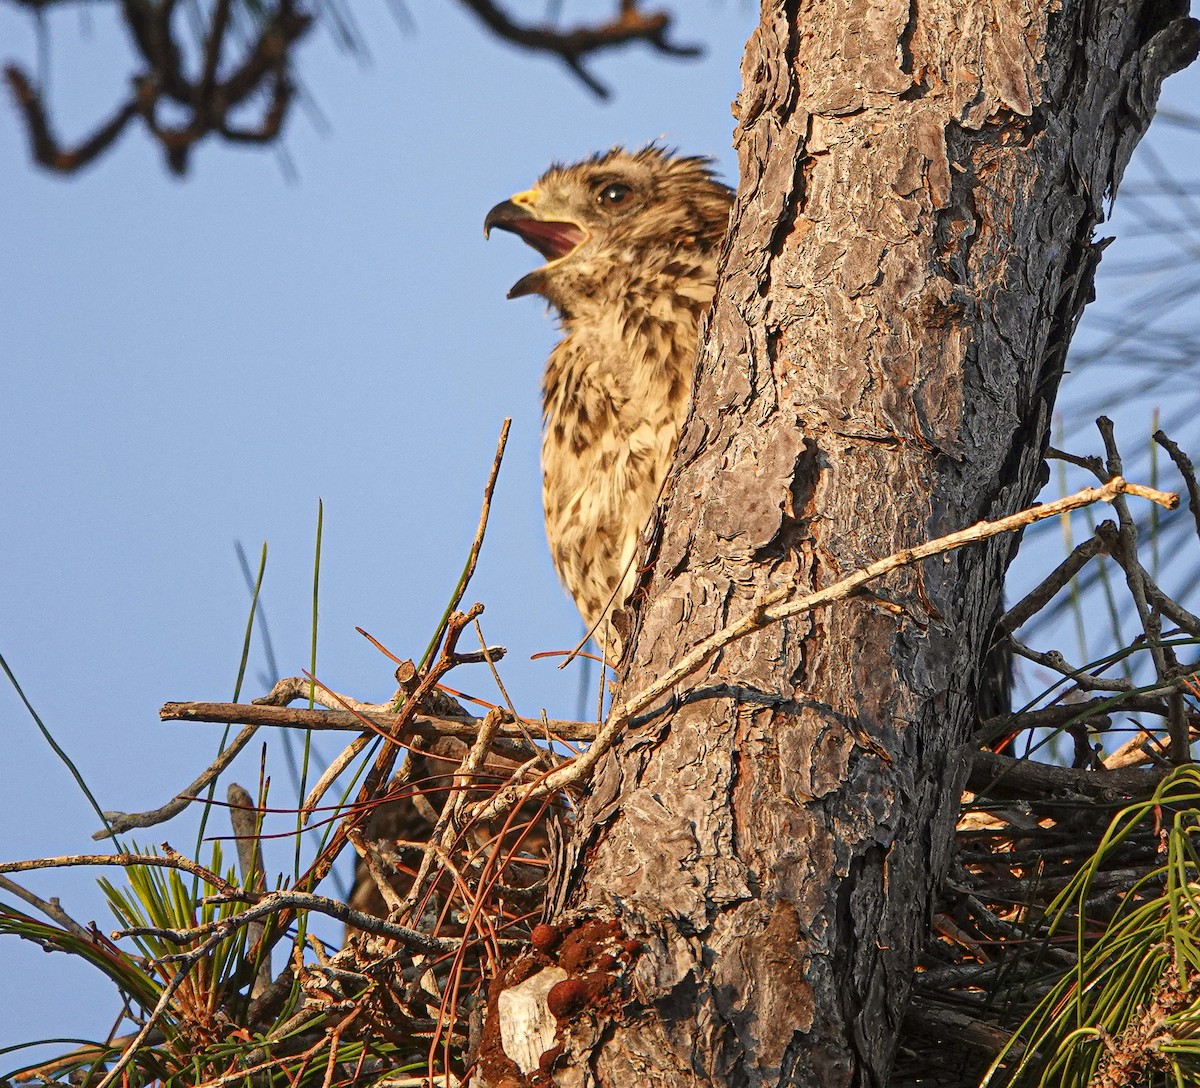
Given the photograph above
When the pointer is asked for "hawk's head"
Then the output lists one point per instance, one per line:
(612, 217)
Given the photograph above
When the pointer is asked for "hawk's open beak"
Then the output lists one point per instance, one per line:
(554, 240)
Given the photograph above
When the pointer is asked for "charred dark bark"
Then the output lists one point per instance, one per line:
(911, 248)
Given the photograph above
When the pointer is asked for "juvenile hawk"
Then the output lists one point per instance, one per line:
(631, 241)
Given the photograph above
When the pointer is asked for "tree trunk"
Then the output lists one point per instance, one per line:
(909, 253)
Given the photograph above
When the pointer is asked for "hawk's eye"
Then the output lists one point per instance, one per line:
(612, 195)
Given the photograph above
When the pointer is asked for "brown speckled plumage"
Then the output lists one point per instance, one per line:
(633, 240)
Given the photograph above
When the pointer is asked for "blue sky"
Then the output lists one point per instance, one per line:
(189, 364)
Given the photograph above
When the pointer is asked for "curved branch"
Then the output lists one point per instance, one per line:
(630, 24)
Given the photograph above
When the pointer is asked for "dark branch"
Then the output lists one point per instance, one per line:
(208, 100)
(42, 143)
(571, 46)
(1001, 776)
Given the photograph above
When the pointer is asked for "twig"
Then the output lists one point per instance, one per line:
(1053, 659)
(420, 725)
(169, 859)
(44, 146)
(51, 908)
(777, 607)
(1090, 464)
(1146, 747)
(212, 48)
(571, 46)
(1165, 664)
(164, 1002)
(441, 838)
(1184, 464)
(275, 902)
(476, 544)
(1128, 543)
(491, 664)
(1062, 714)
(1038, 597)
(1169, 607)
(331, 774)
(121, 822)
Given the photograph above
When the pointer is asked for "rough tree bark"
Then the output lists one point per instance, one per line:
(909, 253)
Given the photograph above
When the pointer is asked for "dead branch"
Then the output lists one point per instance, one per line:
(425, 726)
(1128, 543)
(120, 822)
(169, 859)
(1002, 776)
(571, 46)
(156, 1014)
(43, 144)
(476, 545)
(51, 908)
(1081, 678)
(1092, 711)
(1041, 595)
(274, 902)
(374, 862)
(1184, 464)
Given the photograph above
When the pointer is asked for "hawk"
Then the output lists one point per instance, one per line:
(631, 241)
